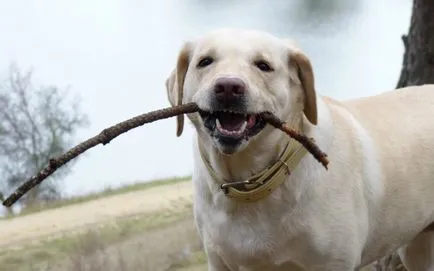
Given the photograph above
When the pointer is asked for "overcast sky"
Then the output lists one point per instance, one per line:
(117, 54)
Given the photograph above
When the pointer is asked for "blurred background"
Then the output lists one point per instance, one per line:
(69, 69)
(115, 55)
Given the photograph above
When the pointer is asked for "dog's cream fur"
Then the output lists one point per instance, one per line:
(377, 195)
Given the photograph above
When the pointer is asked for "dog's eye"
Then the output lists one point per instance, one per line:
(205, 62)
(263, 66)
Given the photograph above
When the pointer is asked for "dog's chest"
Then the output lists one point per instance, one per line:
(249, 238)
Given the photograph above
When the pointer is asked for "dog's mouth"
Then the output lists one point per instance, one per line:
(232, 127)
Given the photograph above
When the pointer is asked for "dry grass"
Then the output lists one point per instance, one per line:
(168, 248)
(104, 193)
(164, 240)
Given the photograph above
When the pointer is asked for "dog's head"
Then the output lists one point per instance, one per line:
(233, 76)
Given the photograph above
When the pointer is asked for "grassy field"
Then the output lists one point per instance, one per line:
(160, 240)
(104, 193)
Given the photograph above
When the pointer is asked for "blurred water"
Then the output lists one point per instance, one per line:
(117, 54)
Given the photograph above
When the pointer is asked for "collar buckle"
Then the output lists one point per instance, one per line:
(225, 186)
(288, 171)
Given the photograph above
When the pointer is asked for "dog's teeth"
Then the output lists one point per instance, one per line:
(243, 127)
(238, 132)
(219, 125)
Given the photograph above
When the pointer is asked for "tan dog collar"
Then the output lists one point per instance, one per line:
(265, 182)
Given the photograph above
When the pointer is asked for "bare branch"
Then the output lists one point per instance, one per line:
(35, 124)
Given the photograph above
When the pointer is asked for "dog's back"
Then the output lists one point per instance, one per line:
(401, 125)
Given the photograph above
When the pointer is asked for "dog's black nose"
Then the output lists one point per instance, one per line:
(229, 90)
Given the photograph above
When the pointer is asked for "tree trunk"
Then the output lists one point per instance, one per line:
(418, 60)
(417, 69)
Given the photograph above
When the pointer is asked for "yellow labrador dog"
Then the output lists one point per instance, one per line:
(261, 202)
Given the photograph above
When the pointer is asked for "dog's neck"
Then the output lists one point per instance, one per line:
(258, 155)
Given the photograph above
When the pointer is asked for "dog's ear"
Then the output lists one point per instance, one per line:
(306, 78)
(171, 87)
(175, 83)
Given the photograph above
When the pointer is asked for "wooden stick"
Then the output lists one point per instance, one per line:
(103, 138)
(304, 140)
(110, 133)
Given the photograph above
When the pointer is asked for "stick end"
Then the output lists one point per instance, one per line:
(7, 203)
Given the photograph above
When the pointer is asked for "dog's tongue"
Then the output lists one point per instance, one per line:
(231, 122)
(251, 121)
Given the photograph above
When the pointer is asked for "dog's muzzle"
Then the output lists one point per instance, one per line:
(228, 120)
